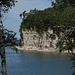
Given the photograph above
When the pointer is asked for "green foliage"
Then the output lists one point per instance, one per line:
(63, 3)
(20, 42)
(39, 20)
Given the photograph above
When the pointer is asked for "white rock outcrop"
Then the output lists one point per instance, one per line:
(33, 41)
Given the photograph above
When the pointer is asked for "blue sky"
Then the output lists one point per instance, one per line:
(12, 20)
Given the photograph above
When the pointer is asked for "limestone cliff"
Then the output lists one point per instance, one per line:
(33, 41)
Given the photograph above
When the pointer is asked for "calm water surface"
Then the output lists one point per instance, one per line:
(37, 63)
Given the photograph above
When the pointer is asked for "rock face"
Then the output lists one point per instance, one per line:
(33, 41)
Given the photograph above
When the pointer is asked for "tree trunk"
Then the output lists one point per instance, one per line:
(3, 61)
(2, 49)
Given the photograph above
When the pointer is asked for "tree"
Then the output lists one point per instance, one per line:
(4, 7)
(7, 4)
(63, 3)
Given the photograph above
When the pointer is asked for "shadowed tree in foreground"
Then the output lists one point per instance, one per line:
(5, 37)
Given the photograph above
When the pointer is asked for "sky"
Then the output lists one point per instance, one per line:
(12, 20)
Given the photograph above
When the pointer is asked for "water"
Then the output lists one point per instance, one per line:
(37, 63)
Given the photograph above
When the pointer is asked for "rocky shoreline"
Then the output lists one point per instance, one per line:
(44, 50)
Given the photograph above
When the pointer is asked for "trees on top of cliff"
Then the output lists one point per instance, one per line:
(60, 18)
(38, 19)
(63, 3)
